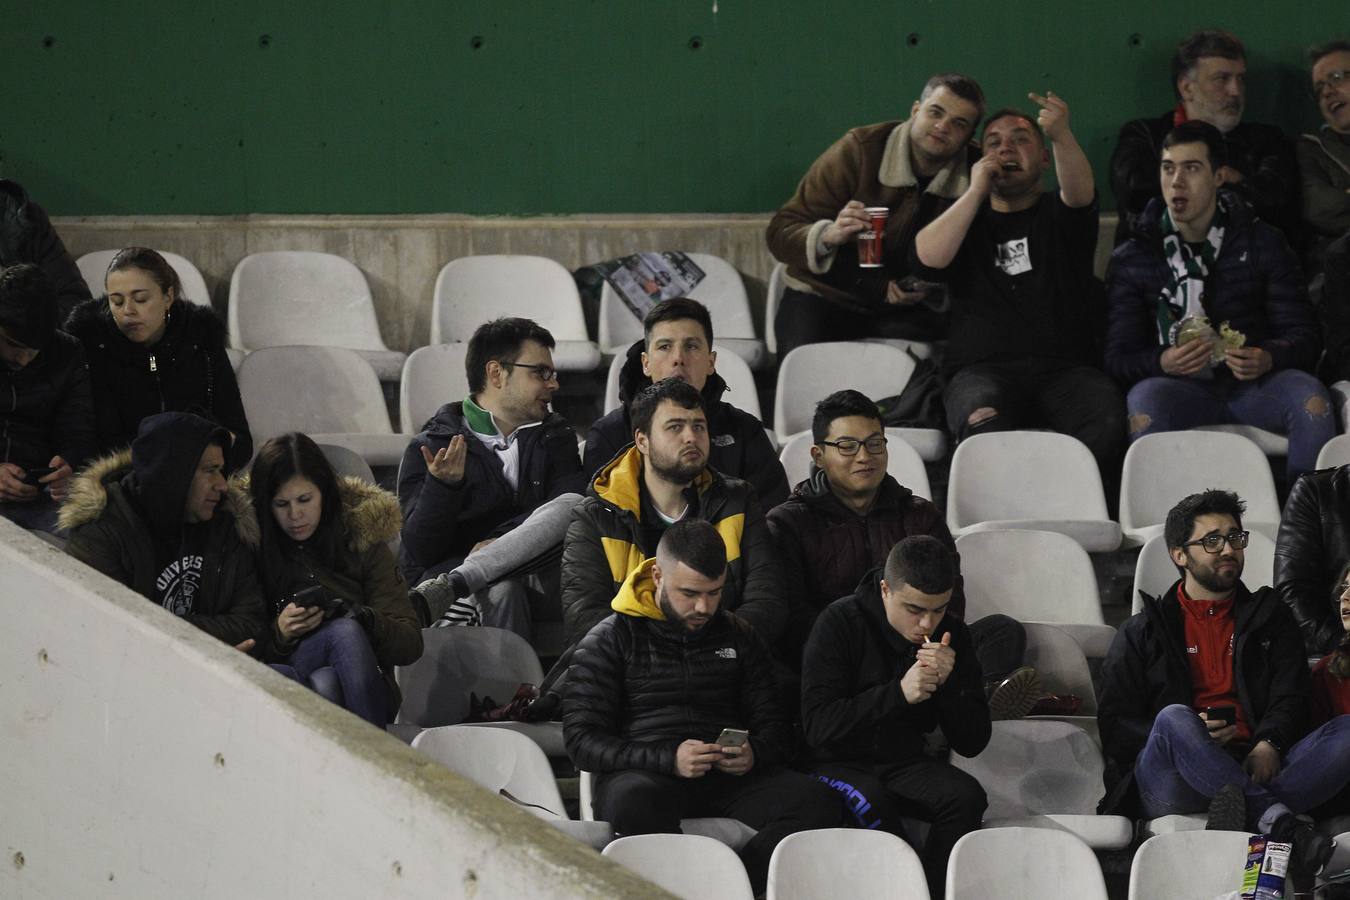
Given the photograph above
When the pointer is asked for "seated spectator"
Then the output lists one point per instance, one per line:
(1324, 156)
(653, 690)
(1334, 310)
(482, 468)
(27, 236)
(1311, 550)
(341, 620)
(47, 417)
(1331, 674)
(1025, 322)
(1204, 697)
(914, 169)
(151, 351)
(662, 479)
(1209, 76)
(677, 343)
(1200, 254)
(161, 519)
(885, 666)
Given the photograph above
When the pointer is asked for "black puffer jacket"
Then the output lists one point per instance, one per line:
(1335, 310)
(639, 686)
(27, 236)
(1312, 548)
(47, 408)
(187, 371)
(740, 448)
(1147, 670)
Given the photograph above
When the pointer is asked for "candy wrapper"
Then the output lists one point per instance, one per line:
(1197, 328)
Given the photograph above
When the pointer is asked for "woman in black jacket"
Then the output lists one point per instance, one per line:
(150, 351)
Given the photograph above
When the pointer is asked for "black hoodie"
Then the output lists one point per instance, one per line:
(27, 236)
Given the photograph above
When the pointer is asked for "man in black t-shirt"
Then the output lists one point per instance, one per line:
(1026, 309)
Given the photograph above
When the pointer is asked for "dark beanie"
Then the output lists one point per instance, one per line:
(164, 458)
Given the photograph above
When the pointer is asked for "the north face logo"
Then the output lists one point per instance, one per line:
(723, 440)
(727, 652)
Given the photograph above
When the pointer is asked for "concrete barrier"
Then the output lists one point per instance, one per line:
(142, 758)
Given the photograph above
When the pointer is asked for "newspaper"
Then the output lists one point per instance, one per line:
(645, 279)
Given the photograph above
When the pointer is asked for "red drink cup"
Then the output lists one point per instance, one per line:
(869, 240)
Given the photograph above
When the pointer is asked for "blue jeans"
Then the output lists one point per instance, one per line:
(1290, 402)
(337, 662)
(35, 515)
(1181, 768)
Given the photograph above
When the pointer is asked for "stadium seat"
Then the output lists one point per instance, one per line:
(808, 374)
(741, 391)
(348, 462)
(329, 393)
(731, 832)
(1161, 469)
(1154, 572)
(722, 291)
(94, 268)
(1171, 824)
(1335, 452)
(689, 866)
(1019, 863)
(290, 297)
(1041, 773)
(1034, 576)
(1034, 480)
(1340, 402)
(1062, 668)
(902, 461)
(1188, 864)
(1271, 444)
(845, 862)
(476, 289)
(772, 300)
(432, 377)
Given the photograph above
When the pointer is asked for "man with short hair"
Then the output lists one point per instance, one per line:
(677, 343)
(1026, 307)
(1204, 697)
(27, 236)
(161, 519)
(884, 667)
(1209, 317)
(47, 416)
(672, 704)
(1209, 77)
(914, 169)
(1324, 155)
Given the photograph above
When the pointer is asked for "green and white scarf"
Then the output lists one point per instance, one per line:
(1184, 294)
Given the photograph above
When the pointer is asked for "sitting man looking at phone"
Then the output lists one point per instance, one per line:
(672, 703)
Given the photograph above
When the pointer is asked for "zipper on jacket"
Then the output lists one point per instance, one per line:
(159, 385)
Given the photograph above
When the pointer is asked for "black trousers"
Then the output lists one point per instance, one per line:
(777, 802)
(809, 319)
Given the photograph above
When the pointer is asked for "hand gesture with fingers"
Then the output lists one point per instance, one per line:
(940, 657)
(1186, 360)
(12, 487)
(58, 482)
(693, 758)
(845, 227)
(446, 465)
(1054, 115)
(1248, 363)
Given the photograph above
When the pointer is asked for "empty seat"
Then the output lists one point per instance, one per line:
(772, 300)
(476, 289)
(286, 297)
(687, 865)
(845, 862)
(1335, 452)
(1062, 668)
(1037, 480)
(1161, 469)
(1188, 864)
(1154, 571)
(741, 391)
(432, 377)
(329, 393)
(347, 462)
(902, 461)
(1271, 444)
(731, 832)
(1020, 863)
(94, 268)
(1172, 824)
(721, 290)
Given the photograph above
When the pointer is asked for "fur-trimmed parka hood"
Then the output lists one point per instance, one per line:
(370, 514)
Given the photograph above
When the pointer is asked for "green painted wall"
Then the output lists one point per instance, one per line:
(543, 106)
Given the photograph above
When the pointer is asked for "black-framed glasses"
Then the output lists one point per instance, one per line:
(1333, 79)
(849, 446)
(1213, 543)
(543, 373)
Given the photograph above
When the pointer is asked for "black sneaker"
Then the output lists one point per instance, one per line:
(1227, 810)
(1015, 695)
(1310, 852)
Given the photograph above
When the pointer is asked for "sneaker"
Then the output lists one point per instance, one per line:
(1014, 697)
(1227, 810)
(463, 612)
(438, 594)
(1311, 848)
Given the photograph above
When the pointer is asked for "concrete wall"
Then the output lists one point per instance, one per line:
(143, 759)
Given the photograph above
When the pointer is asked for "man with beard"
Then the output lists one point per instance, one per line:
(656, 686)
(661, 479)
(1204, 698)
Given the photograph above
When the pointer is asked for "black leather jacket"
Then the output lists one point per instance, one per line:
(1312, 548)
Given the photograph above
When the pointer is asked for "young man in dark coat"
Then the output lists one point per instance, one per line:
(884, 667)
(27, 236)
(652, 688)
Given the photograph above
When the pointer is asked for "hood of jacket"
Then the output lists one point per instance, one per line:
(619, 481)
(92, 322)
(632, 381)
(370, 514)
(637, 595)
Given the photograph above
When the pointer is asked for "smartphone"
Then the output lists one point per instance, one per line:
(32, 476)
(1225, 714)
(315, 595)
(733, 737)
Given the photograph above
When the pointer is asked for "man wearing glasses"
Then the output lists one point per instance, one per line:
(1324, 156)
(1204, 698)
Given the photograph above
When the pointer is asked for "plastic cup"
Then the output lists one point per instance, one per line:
(870, 240)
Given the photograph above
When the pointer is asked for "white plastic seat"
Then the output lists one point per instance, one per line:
(1031, 480)
(1335, 452)
(1172, 824)
(687, 865)
(432, 377)
(1017, 863)
(741, 391)
(1154, 571)
(347, 462)
(845, 862)
(1271, 444)
(1161, 469)
(772, 300)
(290, 297)
(721, 290)
(329, 393)
(731, 832)
(94, 268)
(1041, 773)
(902, 461)
(810, 373)
(1188, 864)
(1062, 668)
(1034, 576)
(1340, 402)
(473, 290)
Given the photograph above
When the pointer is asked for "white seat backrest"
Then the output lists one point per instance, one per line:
(688, 865)
(845, 862)
(741, 391)
(1039, 576)
(1061, 667)
(432, 377)
(812, 372)
(1012, 475)
(94, 268)
(1161, 469)
(1335, 452)
(346, 462)
(721, 290)
(477, 289)
(902, 462)
(317, 390)
(284, 297)
(777, 284)
(1037, 767)
(1154, 572)
(498, 759)
(489, 662)
(1184, 865)
(1020, 863)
